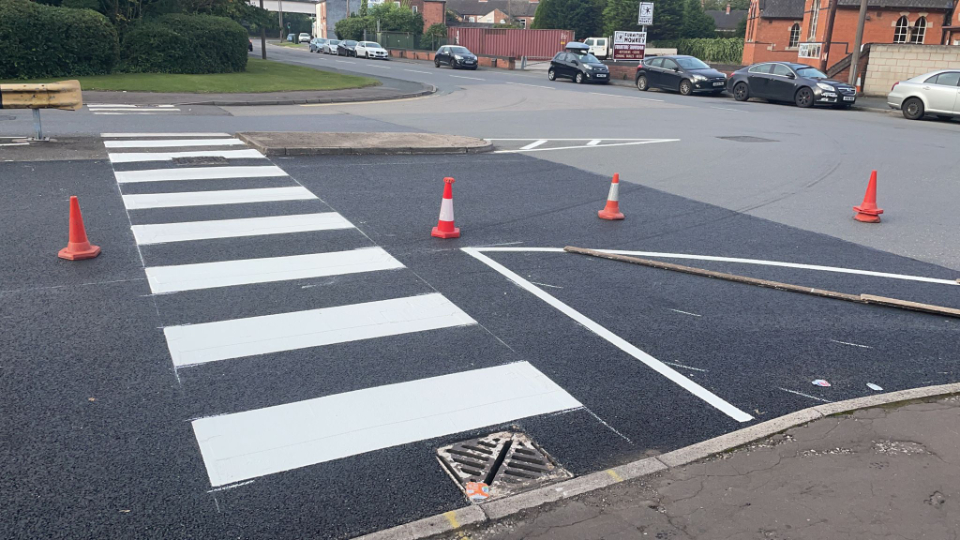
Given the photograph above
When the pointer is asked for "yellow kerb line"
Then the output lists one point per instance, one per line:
(452, 518)
(613, 474)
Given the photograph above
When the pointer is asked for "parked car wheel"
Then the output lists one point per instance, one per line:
(642, 84)
(741, 92)
(912, 109)
(804, 98)
(436, 63)
(579, 78)
(551, 75)
(686, 88)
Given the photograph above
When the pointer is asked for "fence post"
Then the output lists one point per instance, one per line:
(36, 124)
(523, 63)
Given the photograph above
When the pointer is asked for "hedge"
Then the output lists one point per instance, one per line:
(38, 41)
(185, 44)
(720, 50)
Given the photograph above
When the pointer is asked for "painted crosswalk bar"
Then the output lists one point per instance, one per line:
(172, 143)
(227, 196)
(136, 157)
(161, 233)
(240, 446)
(209, 342)
(147, 135)
(189, 277)
(198, 173)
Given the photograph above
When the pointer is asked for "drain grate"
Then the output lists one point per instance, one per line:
(507, 462)
(746, 139)
(202, 160)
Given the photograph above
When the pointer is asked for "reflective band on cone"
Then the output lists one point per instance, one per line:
(612, 210)
(445, 227)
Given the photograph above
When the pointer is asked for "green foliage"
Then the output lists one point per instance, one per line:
(584, 17)
(720, 50)
(741, 30)
(667, 18)
(81, 4)
(436, 31)
(43, 41)
(185, 44)
(352, 28)
(696, 23)
(392, 17)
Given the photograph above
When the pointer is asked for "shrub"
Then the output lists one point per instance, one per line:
(720, 50)
(42, 41)
(185, 44)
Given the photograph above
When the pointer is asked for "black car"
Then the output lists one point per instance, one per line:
(579, 66)
(455, 57)
(789, 82)
(347, 47)
(684, 74)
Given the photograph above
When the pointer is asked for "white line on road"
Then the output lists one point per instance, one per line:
(581, 139)
(533, 85)
(615, 340)
(851, 344)
(379, 67)
(685, 312)
(681, 366)
(139, 135)
(111, 105)
(534, 144)
(198, 173)
(637, 143)
(626, 97)
(161, 233)
(204, 198)
(129, 113)
(137, 110)
(190, 277)
(345, 62)
(173, 143)
(209, 342)
(134, 157)
(416, 71)
(240, 446)
(806, 395)
(591, 143)
(471, 78)
(545, 285)
(726, 109)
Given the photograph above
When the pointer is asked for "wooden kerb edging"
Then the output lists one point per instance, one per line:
(859, 299)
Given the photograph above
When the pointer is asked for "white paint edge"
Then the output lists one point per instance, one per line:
(584, 146)
(161, 233)
(134, 157)
(198, 173)
(145, 135)
(172, 143)
(205, 198)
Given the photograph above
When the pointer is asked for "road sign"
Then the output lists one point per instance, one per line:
(629, 45)
(646, 14)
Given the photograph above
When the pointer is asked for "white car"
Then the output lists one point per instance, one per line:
(370, 49)
(330, 47)
(303, 38)
(937, 93)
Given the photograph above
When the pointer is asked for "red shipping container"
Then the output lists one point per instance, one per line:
(511, 42)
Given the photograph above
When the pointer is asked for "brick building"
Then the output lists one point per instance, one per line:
(434, 11)
(521, 12)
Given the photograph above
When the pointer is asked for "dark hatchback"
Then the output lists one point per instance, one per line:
(455, 57)
(347, 47)
(792, 83)
(684, 74)
(581, 67)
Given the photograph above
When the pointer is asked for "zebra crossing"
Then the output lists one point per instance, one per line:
(115, 109)
(207, 217)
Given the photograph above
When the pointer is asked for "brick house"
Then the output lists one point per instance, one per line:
(434, 11)
(520, 12)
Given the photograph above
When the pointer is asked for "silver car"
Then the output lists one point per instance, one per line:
(330, 47)
(936, 93)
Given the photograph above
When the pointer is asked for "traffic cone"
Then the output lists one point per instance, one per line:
(868, 212)
(445, 228)
(78, 247)
(612, 210)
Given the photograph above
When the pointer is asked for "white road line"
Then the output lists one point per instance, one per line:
(533, 85)
(534, 144)
(594, 142)
(16, 144)
(416, 71)
(576, 147)
(582, 139)
(110, 105)
(616, 340)
(681, 366)
(626, 97)
(545, 285)
(806, 395)
(139, 109)
(161, 233)
(131, 113)
(851, 344)
(198, 173)
(685, 312)
(726, 109)
(139, 135)
(173, 143)
(471, 78)
(345, 62)
(204, 198)
(381, 67)
(222, 340)
(190, 277)
(133, 157)
(250, 444)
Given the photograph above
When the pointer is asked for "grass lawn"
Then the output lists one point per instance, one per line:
(261, 76)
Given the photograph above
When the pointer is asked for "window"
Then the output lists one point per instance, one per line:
(900, 33)
(950, 78)
(794, 36)
(782, 70)
(814, 17)
(919, 30)
(669, 64)
(655, 62)
(762, 68)
(589, 42)
(414, 8)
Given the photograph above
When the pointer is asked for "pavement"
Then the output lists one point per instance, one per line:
(880, 473)
(397, 90)
(318, 144)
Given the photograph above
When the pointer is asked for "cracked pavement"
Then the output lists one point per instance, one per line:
(882, 473)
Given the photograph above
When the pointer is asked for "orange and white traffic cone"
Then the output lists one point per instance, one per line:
(868, 212)
(612, 210)
(445, 227)
(78, 247)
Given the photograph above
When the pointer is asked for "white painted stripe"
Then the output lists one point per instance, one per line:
(166, 105)
(110, 105)
(415, 71)
(131, 113)
(198, 173)
(141, 109)
(594, 142)
(471, 78)
(852, 344)
(203, 198)
(140, 135)
(133, 157)
(626, 97)
(250, 444)
(534, 144)
(575, 147)
(806, 395)
(173, 143)
(190, 277)
(161, 233)
(209, 342)
(446, 210)
(616, 340)
(533, 85)
(582, 139)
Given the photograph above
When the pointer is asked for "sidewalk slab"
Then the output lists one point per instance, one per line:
(350, 95)
(325, 144)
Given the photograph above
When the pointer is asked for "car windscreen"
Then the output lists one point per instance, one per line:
(372, 45)
(334, 42)
(588, 58)
(349, 43)
(691, 63)
(459, 50)
(811, 73)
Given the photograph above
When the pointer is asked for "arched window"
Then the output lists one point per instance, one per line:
(900, 33)
(794, 36)
(919, 30)
(814, 18)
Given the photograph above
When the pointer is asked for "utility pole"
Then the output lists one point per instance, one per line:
(857, 45)
(263, 37)
(280, 4)
(828, 34)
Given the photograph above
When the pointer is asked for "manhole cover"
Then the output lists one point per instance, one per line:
(507, 462)
(209, 160)
(744, 138)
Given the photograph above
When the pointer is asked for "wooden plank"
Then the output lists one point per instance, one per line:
(912, 306)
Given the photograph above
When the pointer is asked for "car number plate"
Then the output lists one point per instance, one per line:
(718, 84)
(600, 76)
(849, 98)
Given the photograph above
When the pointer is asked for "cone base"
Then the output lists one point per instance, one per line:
(607, 214)
(455, 233)
(79, 253)
(867, 218)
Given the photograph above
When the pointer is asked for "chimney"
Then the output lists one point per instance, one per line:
(728, 8)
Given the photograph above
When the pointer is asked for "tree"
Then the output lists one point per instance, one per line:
(549, 14)
(584, 17)
(696, 23)
(741, 28)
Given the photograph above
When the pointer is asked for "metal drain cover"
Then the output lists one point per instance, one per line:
(203, 160)
(507, 462)
(746, 139)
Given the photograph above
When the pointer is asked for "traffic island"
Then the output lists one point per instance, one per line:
(271, 143)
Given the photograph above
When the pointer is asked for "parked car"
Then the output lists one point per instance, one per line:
(684, 74)
(292, 38)
(937, 93)
(347, 47)
(303, 38)
(370, 49)
(316, 44)
(330, 47)
(599, 46)
(579, 66)
(789, 82)
(455, 57)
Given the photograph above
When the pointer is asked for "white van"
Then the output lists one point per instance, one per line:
(599, 46)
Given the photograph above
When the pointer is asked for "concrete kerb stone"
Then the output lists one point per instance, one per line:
(887, 399)
(431, 526)
(326, 144)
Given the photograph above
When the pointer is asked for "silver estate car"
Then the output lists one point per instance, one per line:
(936, 93)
